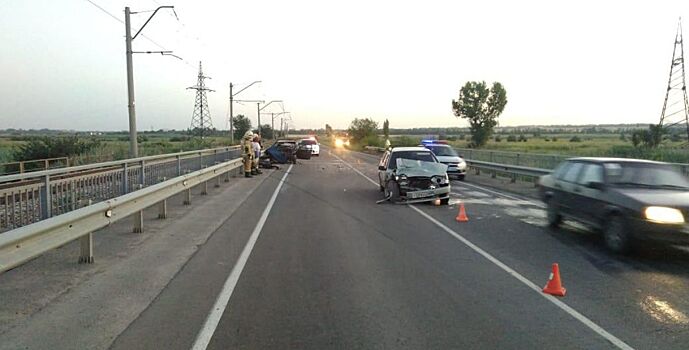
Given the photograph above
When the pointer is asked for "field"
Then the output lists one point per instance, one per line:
(115, 146)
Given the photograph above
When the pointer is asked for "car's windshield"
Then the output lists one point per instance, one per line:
(308, 142)
(425, 156)
(443, 151)
(644, 174)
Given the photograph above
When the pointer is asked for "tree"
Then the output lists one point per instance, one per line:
(328, 130)
(359, 129)
(241, 125)
(386, 129)
(266, 132)
(53, 147)
(481, 106)
(637, 137)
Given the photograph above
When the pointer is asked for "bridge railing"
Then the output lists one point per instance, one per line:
(31, 197)
(27, 242)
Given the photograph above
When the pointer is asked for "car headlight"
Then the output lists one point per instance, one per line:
(664, 215)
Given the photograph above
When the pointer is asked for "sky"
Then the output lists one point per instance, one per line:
(62, 63)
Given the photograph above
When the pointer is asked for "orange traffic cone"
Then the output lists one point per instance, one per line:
(462, 215)
(554, 286)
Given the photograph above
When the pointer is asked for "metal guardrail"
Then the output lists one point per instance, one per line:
(375, 149)
(31, 197)
(536, 160)
(515, 164)
(27, 242)
(512, 171)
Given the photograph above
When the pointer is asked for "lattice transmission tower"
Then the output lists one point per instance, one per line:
(201, 123)
(676, 106)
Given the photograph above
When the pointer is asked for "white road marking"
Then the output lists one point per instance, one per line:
(204, 336)
(564, 307)
(357, 170)
(495, 192)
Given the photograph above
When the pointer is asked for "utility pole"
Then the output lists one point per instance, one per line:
(232, 95)
(231, 118)
(259, 113)
(133, 145)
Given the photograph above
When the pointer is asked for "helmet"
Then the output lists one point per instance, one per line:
(248, 135)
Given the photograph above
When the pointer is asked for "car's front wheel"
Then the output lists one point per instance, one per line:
(616, 235)
(553, 214)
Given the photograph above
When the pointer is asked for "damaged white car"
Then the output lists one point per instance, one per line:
(413, 175)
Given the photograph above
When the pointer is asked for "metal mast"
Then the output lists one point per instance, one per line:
(672, 115)
(201, 122)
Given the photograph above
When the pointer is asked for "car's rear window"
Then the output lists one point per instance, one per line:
(308, 142)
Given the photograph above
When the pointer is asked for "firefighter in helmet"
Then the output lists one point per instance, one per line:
(247, 153)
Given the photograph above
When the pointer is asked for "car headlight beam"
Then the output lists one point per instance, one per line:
(664, 215)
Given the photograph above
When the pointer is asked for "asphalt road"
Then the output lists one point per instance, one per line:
(330, 269)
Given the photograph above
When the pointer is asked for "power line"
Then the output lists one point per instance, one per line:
(121, 21)
(105, 11)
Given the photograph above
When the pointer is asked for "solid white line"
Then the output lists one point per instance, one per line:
(564, 307)
(494, 192)
(206, 333)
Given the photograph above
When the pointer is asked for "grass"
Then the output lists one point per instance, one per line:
(116, 146)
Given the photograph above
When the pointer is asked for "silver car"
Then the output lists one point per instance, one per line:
(413, 175)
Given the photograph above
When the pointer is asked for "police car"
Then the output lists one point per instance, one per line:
(456, 166)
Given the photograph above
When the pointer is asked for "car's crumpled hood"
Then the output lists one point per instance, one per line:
(415, 168)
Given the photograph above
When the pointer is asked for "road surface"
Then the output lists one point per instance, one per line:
(327, 268)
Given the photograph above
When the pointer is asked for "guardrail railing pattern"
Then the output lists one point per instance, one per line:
(35, 196)
(29, 241)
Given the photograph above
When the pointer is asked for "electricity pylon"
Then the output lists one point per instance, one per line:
(201, 122)
(676, 94)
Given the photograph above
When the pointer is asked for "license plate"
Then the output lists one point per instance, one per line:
(420, 194)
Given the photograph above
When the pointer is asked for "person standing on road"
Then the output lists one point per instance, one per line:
(256, 148)
(387, 144)
(248, 153)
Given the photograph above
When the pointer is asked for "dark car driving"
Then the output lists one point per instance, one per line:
(628, 200)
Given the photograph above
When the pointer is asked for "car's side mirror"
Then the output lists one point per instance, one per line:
(596, 185)
(381, 167)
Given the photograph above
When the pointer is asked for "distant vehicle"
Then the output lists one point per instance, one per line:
(628, 200)
(312, 145)
(456, 166)
(412, 175)
(288, 148)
